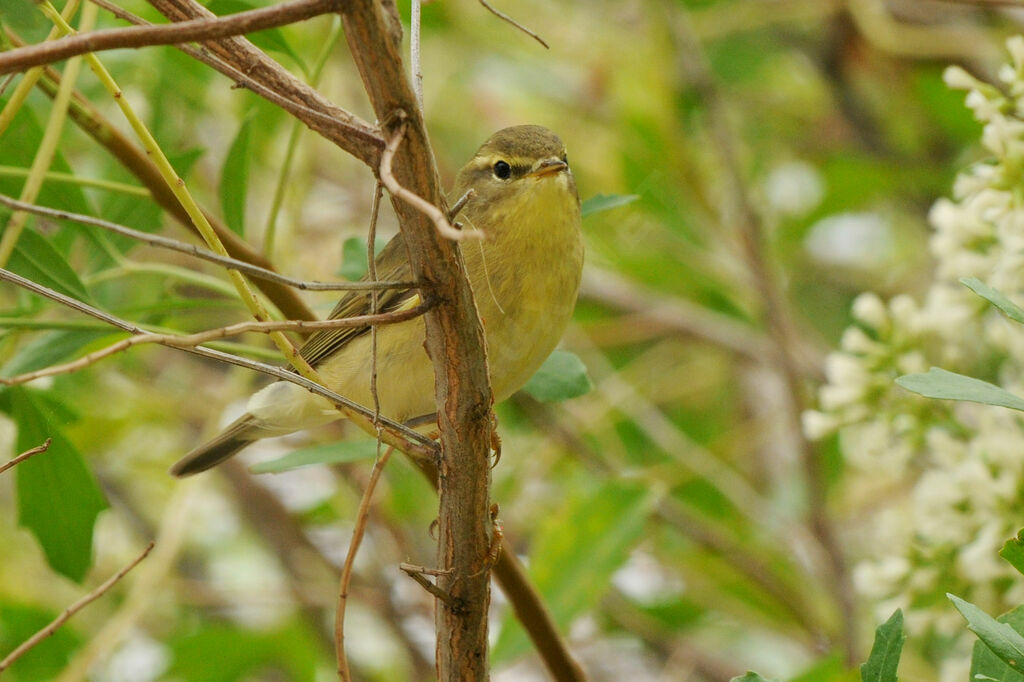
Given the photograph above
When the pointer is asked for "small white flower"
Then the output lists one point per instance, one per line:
(957, 78)
(869, 310)
(817, 425)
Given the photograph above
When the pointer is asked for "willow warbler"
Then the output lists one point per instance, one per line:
(525, 275)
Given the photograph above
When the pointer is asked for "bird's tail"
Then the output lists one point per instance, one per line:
(236, 436)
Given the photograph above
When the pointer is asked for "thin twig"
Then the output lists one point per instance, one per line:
(413, 568)
(25, 455)
(199, 338)
(414, 51)
(200, 252)
(71, 610)
(405, 439)
(171, 34)
(460, 204)
(371, 271)
(435, 214)
(416, 574)
(346, 570)
(504, 17)
(341, 127)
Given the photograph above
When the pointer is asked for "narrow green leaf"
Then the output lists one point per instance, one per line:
(606, 202)
(1013, 551)
(562, 376)
(35, 258)
(329, 453)
(995, 297)
(576, 552)
(234, 179)
(985, 665)
(938, 383)
(1000, 638)
(885, 653)
(49, 348)
(58, 498)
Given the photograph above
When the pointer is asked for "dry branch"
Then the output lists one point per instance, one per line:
(25, 455)
(405, 439)
(193, 340)
(454, 343)
(71, 610)
(183, 32)
(346, 570)
(205, 254)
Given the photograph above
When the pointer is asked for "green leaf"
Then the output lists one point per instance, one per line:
(575, 553)
(271, 39)
(831, 669)
(44, 661)
(329, 453)
(985, 665)
(353, 257)
(1000, 638)
(938, 383)
(234, 178)
(1013, 551)
(58, 497)
(606, 202)
(885, 653)
(996, 298)
(751, 677)
(226, 653)
(35, 258)
(50, 348)
(562, 376)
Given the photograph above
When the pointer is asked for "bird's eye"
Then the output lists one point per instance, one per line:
(502, 170)
(565, 159)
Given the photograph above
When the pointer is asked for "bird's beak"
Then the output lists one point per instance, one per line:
(548, 167)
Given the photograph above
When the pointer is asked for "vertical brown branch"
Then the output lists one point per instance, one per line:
(454, 342)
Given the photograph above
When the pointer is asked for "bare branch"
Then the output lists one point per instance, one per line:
(460, 204)
(193, 340)
(25, 455)
(204, 254)
(504, 17)
(182, 32)
(454, 343)
(410, 442)
(435, 214)
(250, 67)
(346, 570)
(417, 572)
(72, 610)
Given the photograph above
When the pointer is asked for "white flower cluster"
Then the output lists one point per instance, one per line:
(935, 487)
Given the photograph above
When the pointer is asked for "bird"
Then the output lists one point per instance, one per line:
(525, 275)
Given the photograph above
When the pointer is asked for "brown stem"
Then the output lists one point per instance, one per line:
(528, 606)
(136, 162)
(183, 32)
(251, 68)
(70, 611)
(25, 455)
(454, 342)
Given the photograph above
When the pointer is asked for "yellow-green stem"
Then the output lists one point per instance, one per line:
(47, 146)
(28, 80)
